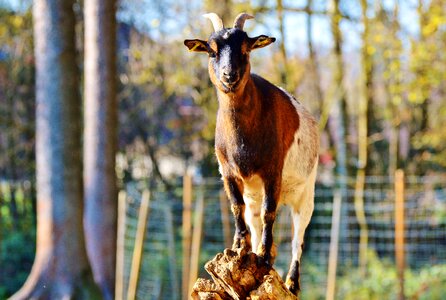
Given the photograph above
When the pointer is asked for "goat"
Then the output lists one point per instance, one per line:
(266, 144)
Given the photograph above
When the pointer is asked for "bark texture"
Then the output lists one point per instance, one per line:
(61, 269)
(100, 141)
(239, 274)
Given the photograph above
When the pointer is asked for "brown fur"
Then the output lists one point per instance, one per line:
(255, 130)
(266, 144)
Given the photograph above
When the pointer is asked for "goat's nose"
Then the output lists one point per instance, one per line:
(230, 76)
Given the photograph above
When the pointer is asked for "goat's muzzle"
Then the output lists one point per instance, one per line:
(230, 79)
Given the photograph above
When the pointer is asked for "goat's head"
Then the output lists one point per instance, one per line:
(228, 50)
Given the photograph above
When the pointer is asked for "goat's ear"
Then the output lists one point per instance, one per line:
(260, 41)
(196, 45)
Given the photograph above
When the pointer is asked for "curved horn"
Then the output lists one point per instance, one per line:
(240, 20)
(216, 21)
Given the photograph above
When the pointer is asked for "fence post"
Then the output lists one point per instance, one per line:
(225, 219)
(334, 241)
(120, 244)
(139, 245)
(187, 224)
(196, 242)
(172, 253)
(399, 231)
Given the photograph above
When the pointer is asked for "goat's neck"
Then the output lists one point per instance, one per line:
(242, 106)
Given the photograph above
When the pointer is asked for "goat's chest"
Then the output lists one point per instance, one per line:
(243, 154)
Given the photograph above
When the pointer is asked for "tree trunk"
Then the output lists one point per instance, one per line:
(61, 269)
(315, 74)
(284, 69)
(340, 115)
(238, 274)
(11, 135)
(364, 116)
(100, 142)
(339, 95)
(13, 201)
(221, 8)
(420, 72)
(393, 90)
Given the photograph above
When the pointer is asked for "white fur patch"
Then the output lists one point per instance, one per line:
(253, 193)
(298, 179)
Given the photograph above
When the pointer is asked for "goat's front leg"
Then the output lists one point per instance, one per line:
(266, 248)
(241, 237)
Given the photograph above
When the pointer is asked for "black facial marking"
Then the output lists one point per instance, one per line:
(229, 61)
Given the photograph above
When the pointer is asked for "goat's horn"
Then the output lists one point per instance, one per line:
(216, 21)
(240, 20)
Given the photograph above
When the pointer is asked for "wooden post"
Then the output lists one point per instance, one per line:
(139, 245)
(196, 242)
(187, 224)
(399, 231)
(224, 207)
(172, 260)
(120, 246)
(334, 241)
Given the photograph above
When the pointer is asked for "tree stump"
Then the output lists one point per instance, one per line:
(240, 274)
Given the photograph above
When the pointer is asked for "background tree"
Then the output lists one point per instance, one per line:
(167, 105)
(427, 89)
(315, 77)
(61, 269)
(339, 115)
(100, 141)
(365, 115)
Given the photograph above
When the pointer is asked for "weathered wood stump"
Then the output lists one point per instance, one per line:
(240, 274)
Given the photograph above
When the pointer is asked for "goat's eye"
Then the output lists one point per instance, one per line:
(212, 54)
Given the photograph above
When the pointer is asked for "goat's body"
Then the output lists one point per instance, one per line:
(266, 138)
(299, 164)
(266, 143)
(298, 172)
(296, 163)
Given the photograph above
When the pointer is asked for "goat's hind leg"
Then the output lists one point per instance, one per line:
(301, 219)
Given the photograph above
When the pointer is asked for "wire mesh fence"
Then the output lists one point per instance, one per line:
(161, 270)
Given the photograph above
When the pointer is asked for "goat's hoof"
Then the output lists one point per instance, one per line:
(292, 286)
(242, 243)
(267, 257)
(264, 261)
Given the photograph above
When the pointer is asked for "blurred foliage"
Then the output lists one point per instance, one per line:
(167, 111)
(17, 105)
(17, 235)
(428, 283)
(167, 106)
(428, 63)
(381, 280)
(17, 251)
(16, 95)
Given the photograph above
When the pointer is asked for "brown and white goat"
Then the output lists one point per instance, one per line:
(266, 144)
